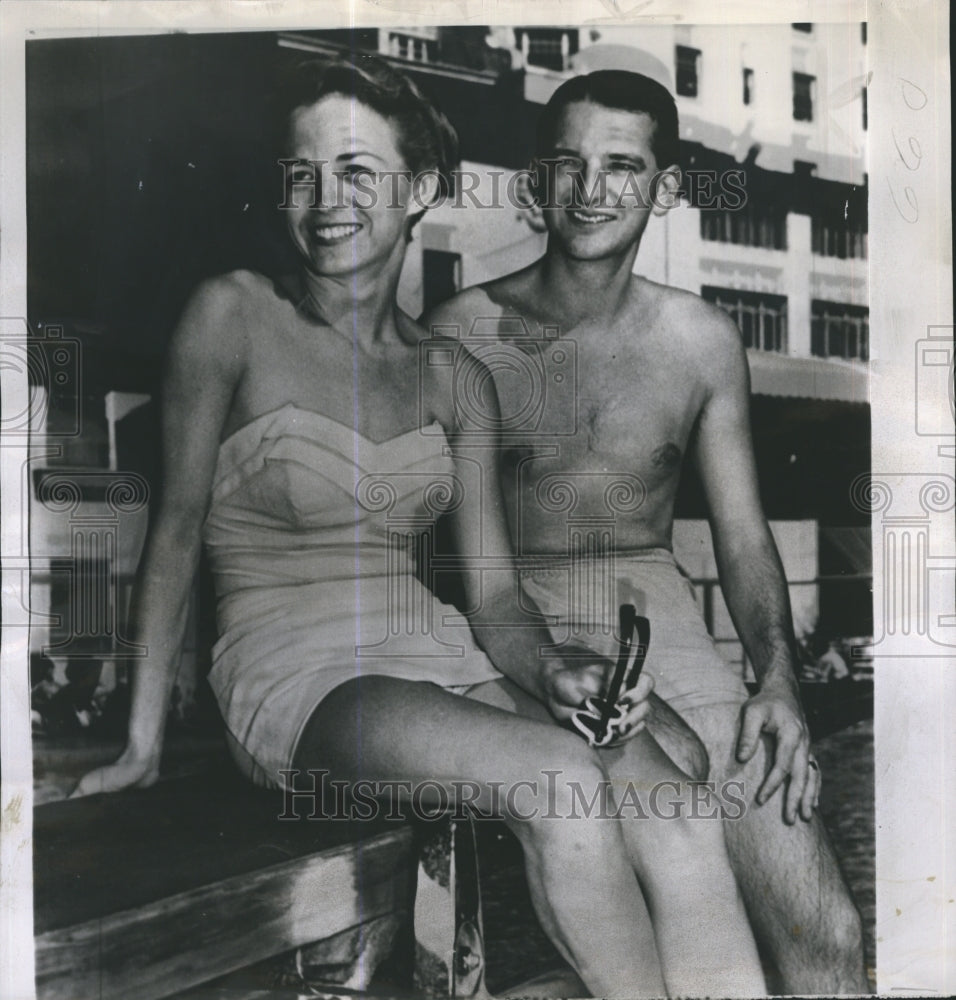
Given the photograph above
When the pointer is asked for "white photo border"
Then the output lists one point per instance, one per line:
(910, 274)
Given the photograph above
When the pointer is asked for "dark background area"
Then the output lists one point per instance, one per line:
(150, 166)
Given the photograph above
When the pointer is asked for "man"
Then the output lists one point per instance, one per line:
(661, 376)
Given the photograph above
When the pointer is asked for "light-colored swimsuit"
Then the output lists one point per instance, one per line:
(312, 533)
(584, 593)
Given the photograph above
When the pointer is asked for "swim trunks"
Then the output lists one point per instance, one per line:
(584, 594)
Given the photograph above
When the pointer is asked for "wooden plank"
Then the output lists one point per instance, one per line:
(289, 993)
(191, 937)
(107, 853)
(556, 983)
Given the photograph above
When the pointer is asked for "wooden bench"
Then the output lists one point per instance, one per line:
(148, 892)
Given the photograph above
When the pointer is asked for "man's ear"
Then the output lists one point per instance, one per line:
(666, 190)
(527, 195)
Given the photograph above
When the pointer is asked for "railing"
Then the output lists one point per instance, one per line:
(545, 47)
(708, 591)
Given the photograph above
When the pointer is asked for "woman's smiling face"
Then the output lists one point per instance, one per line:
(352, 169)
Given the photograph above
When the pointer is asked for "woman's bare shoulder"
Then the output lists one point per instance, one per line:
(217, 313)
(227, 294)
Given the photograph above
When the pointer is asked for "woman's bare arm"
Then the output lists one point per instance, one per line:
(494, 595)
(203, 368)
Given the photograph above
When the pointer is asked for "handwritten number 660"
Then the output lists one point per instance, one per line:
(915, 99)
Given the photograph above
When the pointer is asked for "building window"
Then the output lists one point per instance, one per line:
(549, 48)
(748, 86)
(761, 318)
(839, 331)
(863, 31)
(803, 88)
(688, 71)
(865, 114)
(414, 46)
(441, 276)
(836, 237)
(752, 225)
(805, 26)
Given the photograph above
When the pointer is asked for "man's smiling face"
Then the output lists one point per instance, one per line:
(600, 172)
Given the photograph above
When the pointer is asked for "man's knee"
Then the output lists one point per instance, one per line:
(846, 930)
(718, 727)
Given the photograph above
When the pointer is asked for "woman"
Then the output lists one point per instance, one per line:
(303, 441)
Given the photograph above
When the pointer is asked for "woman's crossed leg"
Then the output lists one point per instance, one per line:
(674, 837)
(581, 862)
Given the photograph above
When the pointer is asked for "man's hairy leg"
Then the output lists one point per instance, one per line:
(798, 902)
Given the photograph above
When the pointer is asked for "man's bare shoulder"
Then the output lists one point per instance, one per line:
(507, 296)
(681, 306)
(706, 331)
(460, 311)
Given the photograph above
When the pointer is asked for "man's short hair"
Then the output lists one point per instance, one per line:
(624, 91)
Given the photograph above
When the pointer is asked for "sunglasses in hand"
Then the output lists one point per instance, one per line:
(598, 718)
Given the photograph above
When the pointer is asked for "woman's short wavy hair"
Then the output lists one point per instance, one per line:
(425, 137)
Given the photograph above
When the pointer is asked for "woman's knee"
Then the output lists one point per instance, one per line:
(680, 828)
(562, 802)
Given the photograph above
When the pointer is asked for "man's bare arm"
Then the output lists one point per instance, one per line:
(749, 566)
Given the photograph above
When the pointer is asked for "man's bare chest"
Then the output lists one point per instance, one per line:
(616, 406)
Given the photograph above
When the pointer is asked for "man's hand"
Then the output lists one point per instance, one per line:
(129, 771)
(777, 711)
(637, 707)
(569, 681)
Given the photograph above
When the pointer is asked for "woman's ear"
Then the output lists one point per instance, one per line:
(426, 191)
(530, 181)
(666, 190)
